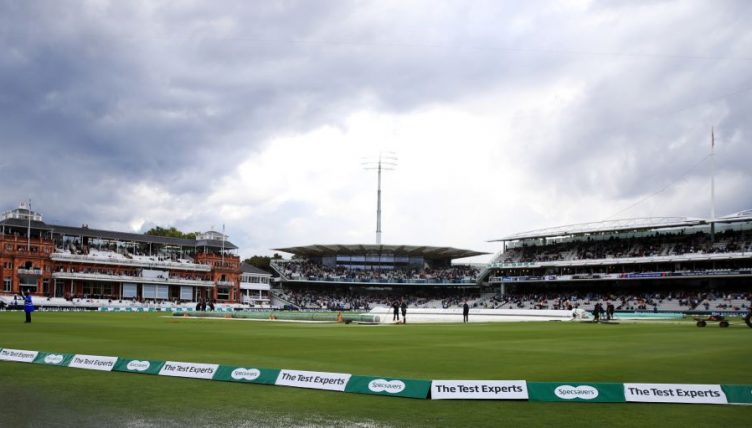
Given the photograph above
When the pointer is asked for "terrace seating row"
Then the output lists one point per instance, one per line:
(659, 245)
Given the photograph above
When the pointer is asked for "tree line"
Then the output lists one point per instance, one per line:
(261, 262)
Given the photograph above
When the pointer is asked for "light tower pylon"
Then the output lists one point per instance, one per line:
(386, 161)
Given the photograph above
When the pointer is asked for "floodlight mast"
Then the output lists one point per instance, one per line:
(712, 184)
(387, 161)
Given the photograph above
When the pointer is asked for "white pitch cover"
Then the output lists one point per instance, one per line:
(93, 362)
(313, 380)
(674, 393)
(18, 355)
(192, 370)
(479, 390)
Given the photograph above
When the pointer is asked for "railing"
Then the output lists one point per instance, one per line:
(225, 283)
(254, 286)
(623, 260)
(275, 294)
(250, 299)
(22, 271)
(224, 264)
(133, 279)
(279, 268)
(384, 280)
(620, 276)
(129, 262)
(12, 244)
(256, 278)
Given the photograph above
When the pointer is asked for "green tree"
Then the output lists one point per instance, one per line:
(262, 262)
(172, 232)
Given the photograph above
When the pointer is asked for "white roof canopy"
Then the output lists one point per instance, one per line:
(605, 226)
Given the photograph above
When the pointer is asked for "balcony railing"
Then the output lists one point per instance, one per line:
(122, 261)
(624, 276)
(254, 286)
(35, 272)
(624, 260)
(134, 279)
(432, 281)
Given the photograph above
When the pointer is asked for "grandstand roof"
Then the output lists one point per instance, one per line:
(17, 222)
(358, 249)
(605, 226)
(249, 268)
(140, 237)
(745, 215)
(209, 239)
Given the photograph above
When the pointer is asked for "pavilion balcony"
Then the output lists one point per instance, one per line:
(254, 286)
(115, 259)
(131, 279)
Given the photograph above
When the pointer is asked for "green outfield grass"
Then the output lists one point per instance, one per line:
(671, 352)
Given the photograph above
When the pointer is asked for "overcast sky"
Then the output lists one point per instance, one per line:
(504, 116)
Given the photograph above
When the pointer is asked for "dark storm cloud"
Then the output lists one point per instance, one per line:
(91, 105)
(100, 96)
(79, 110)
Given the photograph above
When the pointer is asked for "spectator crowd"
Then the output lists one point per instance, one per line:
(305, 270)
(675, 300)
(615, 247)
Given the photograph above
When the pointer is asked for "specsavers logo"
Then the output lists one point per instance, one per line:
(138, 366)
(383, 385)
(569, 392)
(245, 374)
(53, 359)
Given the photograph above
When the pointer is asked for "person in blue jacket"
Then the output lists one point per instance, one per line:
(28, 306)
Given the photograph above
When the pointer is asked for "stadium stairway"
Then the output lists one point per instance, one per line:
(278, 301)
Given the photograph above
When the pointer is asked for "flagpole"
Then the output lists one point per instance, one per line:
(28, 228)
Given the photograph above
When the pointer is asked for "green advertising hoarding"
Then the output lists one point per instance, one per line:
(574, 392)
(389, 386)
(571, 392)
(246, 374)
(738, 394)
(53, 359)
(129, 365)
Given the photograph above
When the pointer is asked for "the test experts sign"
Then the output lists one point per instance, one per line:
(18, 355)
(479, 390)
(674, 393)
(313, 380)
(192, 370)
(93, 362)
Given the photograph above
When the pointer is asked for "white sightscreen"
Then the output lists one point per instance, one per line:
(149, 291)
(129, 291)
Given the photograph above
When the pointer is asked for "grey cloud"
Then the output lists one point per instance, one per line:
(646, 122)
(96, 99)
(146, 93)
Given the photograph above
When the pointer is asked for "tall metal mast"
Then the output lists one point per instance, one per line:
(387, 161)
(712, 184)
(378, 206)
